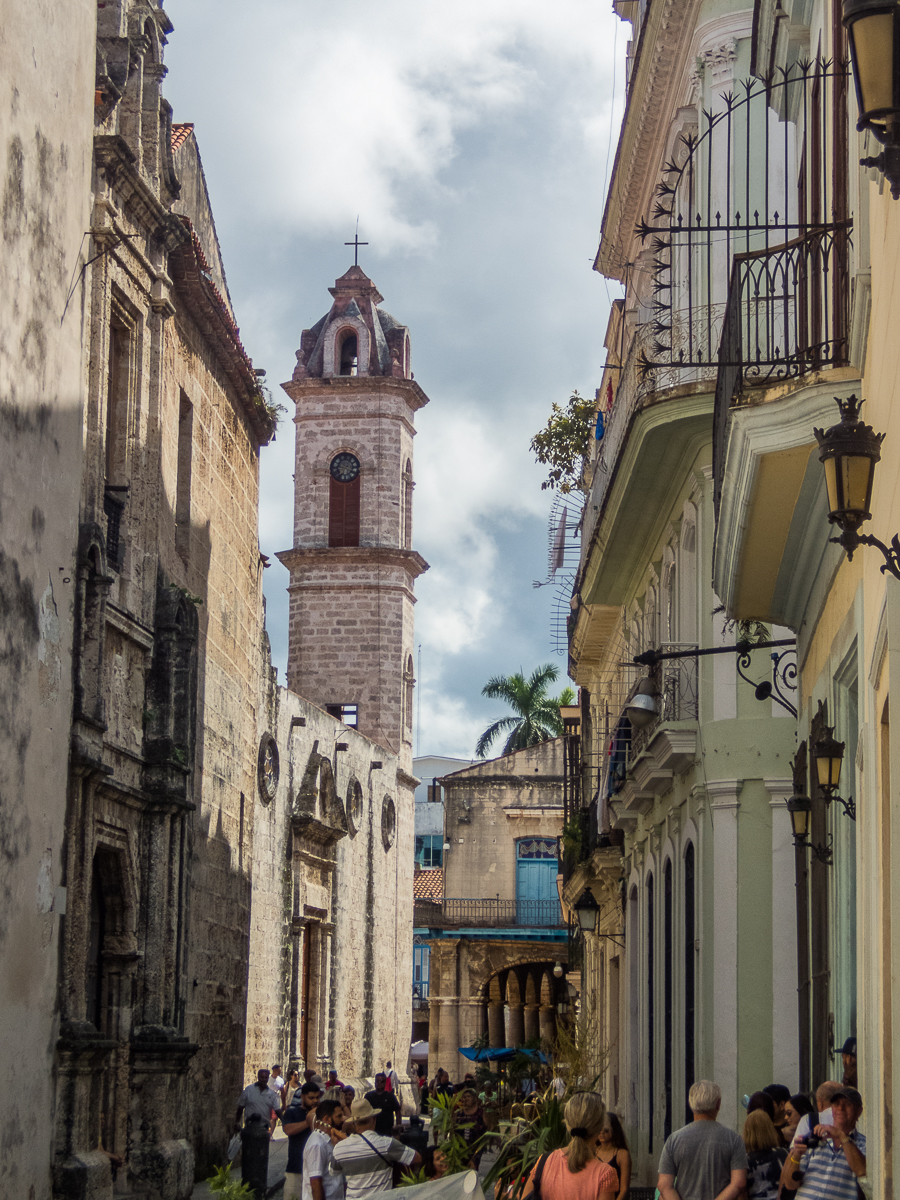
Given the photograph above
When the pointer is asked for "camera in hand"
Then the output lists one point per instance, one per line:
(812, 1142)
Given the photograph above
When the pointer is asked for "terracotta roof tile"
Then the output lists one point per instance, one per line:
(429, 885)
(180, 134)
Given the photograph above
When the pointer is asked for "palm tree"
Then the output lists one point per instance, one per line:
(536, 716)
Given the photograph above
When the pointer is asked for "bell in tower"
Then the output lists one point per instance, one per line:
(352, 566)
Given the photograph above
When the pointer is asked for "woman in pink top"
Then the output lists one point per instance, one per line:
(576, 1173)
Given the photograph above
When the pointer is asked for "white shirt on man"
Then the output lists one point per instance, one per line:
(318, 1161)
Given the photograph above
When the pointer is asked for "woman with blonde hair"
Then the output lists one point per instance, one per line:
(765, 1156)
(575, 1172)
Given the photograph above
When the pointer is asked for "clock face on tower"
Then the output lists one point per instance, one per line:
(344, 467)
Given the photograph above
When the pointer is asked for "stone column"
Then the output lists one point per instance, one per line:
(547, 1022)
(496, 1032)
(434, 1036)
(515, 1025)
(785, 1024)
(450, 1037)
(532, 1021)
(724, 803)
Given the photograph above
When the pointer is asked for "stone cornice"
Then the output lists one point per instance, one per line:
(413, 395)
(652, 99)
(115, 159)
(783, 422)
(410, 561)
(516, 781)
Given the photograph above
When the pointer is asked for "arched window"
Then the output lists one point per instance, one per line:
(651, 1006)
(349, 361)
(687, 570)
(669, 619)
(408, 686)
(651, 630)
(668, 994)
(690, 935)
(343, 500)
(406, 508)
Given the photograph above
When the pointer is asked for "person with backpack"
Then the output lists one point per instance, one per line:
(575, 1172)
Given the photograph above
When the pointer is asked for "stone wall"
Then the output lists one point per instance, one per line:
(371, 418)
(351, 631)
(325, 884)
(166, 663)
(46, 95)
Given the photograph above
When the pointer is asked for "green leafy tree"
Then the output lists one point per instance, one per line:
(564, 443)
(535, 717)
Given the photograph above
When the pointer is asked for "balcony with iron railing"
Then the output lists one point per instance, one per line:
(462, 913)
(639, 386)
(786, 316)
(645, 760)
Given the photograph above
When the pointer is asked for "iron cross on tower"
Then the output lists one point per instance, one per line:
(356, 243)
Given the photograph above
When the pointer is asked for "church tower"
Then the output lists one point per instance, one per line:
(353, 568)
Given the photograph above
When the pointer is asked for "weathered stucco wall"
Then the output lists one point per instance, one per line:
(46, 90)
(488, 806)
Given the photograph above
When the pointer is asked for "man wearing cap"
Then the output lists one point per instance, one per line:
(830, 1170)
(366, 1158)
(848, 1058)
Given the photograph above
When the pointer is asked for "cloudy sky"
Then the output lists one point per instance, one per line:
(473, 140)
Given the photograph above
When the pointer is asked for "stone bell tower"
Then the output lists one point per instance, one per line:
(352, 566)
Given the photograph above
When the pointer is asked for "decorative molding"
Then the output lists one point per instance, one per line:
(724, 794)
(718, 62)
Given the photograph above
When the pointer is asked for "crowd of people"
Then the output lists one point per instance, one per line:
(344, 1147)
(791, 1145)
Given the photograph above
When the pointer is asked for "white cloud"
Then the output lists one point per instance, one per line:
(472, 140)
(352, 105)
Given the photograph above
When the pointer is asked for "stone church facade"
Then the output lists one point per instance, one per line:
(184, 843)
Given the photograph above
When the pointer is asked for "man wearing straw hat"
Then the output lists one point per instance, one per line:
(366, 1158)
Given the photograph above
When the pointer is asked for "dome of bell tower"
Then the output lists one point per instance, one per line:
(355, 337)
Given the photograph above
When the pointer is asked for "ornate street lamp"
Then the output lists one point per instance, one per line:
(873, 30)
(849, 452)
(586, 909)
(829, 754)
(800, 810)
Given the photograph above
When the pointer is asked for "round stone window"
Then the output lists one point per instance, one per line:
(354, 806)
(388, 822)
(268, 768)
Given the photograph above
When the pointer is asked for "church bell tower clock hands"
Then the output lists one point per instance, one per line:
(352, 566)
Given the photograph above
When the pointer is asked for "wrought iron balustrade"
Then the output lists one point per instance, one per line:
(492, 914)
(677, 680)
(787, 314)
(752, 211)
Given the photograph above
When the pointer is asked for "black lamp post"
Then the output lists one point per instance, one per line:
(586, 909)
(829, 754)
(849, 452)
(873, 30)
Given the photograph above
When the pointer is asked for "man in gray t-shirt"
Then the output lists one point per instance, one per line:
(703, 1161)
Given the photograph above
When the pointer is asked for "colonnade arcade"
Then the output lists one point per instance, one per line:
(504, 988)
(519, 1005)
